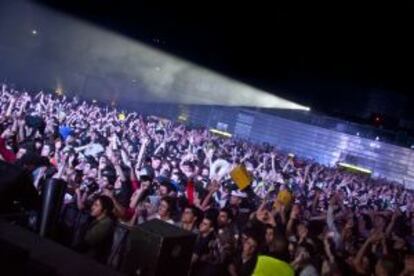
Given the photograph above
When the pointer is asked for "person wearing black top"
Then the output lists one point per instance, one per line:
(203, 246)
(97, 239)
(244, 263)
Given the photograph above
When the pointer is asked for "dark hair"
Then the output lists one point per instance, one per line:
(156, 157)
(50, 145)
(211, 214)
(107, 204)
(27, 145)
(171, 204)
(389, 264)
(196, 212)
(166, 183)
(228, 212)
(30, 160)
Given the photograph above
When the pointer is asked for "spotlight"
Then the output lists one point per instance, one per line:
(34, 32)
(221, 133)
(121, 116)
(59, 91)
(354, 168)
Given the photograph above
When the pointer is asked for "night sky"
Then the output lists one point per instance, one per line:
(347, 60)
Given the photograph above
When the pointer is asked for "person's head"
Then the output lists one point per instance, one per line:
(280, 248)
(206, 226)
(104, 182)
(224, 218)
(205, 173)
(92, 173)
(25, 147)
(86, 168)
(103, 161)
(38, 144)
(165, 188)
(190, 215)
(176, 177)
(385, 266)
(250, 246)
(145, 181)
(236, 198)
(156, 162)
(380, 222)
(30, 160)
(118, 182)
(58, 143)
(270, 234)
(303, 252)
(331, 269)
(302, 229)
(102, 207)
(188, 169)
(166, 207)
(22, 151)
(47, 150)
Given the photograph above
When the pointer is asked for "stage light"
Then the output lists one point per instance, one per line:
(354, 168)
(121, 116)
(220, 132)
(59, 91)
(181, 82)
(182, 118)
(165, 78)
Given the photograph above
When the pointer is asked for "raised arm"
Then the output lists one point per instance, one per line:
(144, 144)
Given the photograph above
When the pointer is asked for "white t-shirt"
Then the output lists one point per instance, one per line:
(94, 149)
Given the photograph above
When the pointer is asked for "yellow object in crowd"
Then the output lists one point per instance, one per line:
(241, 177)
(121, 116)
(285, 197)
(267, 266)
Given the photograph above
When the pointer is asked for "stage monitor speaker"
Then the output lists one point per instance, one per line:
(158, 248)
(22, 252)
(16, 186)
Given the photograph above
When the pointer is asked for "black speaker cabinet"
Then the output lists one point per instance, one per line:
(24, 253)
(158, 248)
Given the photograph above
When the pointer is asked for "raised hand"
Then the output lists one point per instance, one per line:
(108, 193)
(102, 164)
(71, 159)
(58, 145)
(3, 88)
(375, 236)
(214, 186)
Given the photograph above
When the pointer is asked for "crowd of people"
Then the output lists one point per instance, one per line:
(125, 169)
